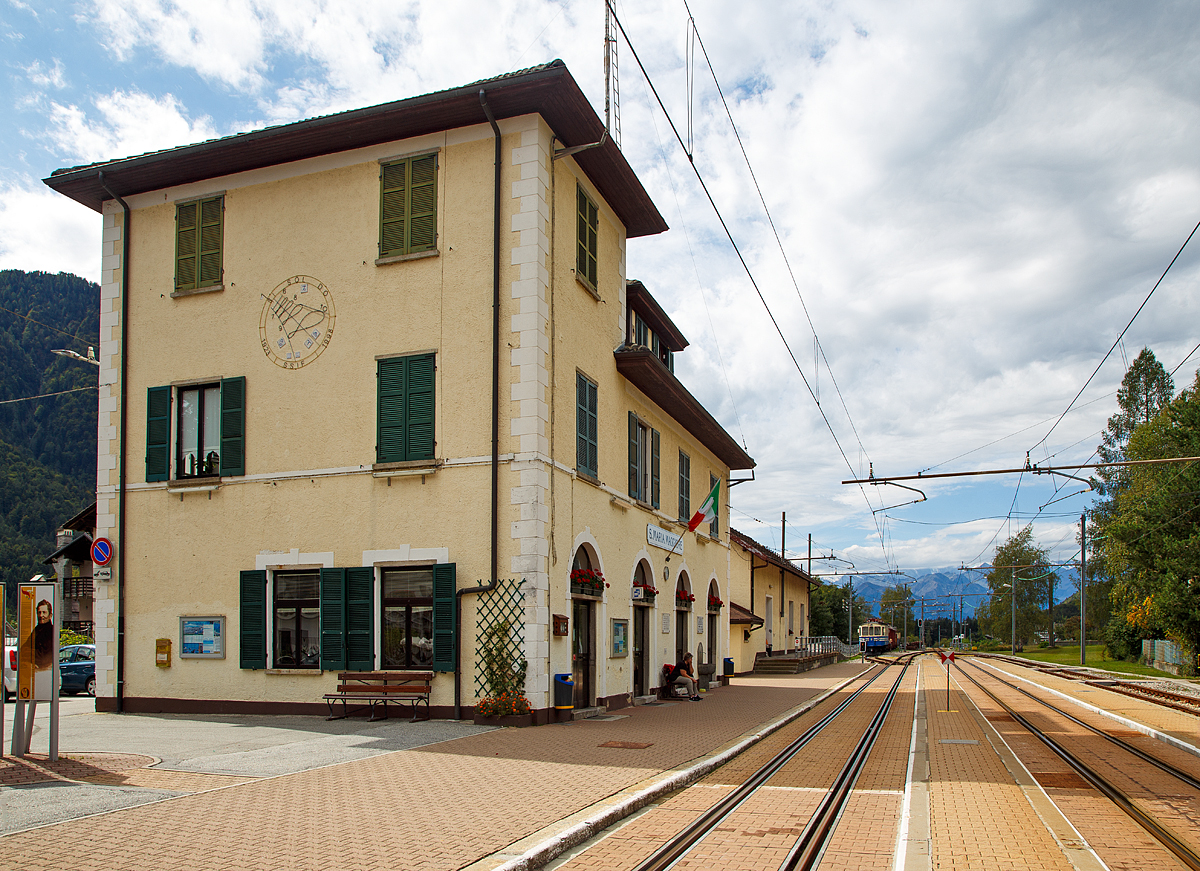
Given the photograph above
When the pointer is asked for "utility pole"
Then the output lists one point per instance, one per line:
(1012, 588)
(1083, 589)
(783, 560)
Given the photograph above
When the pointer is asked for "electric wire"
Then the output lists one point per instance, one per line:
(771, 221)
(745, 265)
(1122, 335)
(74, 335)
(45, 395)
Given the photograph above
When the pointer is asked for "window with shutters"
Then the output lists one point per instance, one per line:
(406, 408)
(643, 461)
(586, 427)
(297, 620)
(685, 487)
(198, 232)
(587, 240)
(204, 438)
(408, 206)
(406, 624)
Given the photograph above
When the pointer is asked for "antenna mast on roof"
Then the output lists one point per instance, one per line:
(612, 90)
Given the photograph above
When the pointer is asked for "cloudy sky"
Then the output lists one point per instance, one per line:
(967, 203)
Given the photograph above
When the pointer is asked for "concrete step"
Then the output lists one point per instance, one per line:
(585, 713)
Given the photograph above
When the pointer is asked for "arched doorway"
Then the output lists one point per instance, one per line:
(584, 595)
(714, 617)
(683, 613)
(643, 610)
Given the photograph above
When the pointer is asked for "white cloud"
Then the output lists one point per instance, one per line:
(130, 123)
(42, 230)
(44, 76)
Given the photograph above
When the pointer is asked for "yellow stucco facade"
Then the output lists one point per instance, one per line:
(313, 493)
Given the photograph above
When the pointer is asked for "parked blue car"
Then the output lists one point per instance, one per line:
(77, 666)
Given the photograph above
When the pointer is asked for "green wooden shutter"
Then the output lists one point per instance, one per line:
(685, 486)
(392, 201)
(360, 618)
(253, 620)
(587, 236)
(233, 426)
(187, 221)
(158, 433)
(422, 204)
(389, 441)
(654, 468)
(445, 640)
(419, 407)
(634, 490)
(586, 426)
(209, 248)
(406, 408)
(333, 619)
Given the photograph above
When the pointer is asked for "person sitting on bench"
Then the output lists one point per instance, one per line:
(684, 674)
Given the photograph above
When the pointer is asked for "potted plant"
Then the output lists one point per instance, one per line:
(648, 592)
(587, 582)
(504, 682)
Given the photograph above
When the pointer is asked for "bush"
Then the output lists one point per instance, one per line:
(1122, 640)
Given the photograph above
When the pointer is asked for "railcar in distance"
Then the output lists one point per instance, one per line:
(879, 636)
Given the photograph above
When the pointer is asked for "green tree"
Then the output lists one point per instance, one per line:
(834, 603)
(820, 614)
(1021, 563)
(1144, 391)
(1150, 533)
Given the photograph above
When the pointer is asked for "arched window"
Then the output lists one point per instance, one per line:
(683, 593)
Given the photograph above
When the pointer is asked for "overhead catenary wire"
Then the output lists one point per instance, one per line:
(745, 265)
(45, 395)
(1121, 336)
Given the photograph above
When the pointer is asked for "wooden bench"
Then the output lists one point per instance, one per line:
(373, 688)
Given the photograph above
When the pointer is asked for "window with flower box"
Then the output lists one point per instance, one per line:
(644, 591)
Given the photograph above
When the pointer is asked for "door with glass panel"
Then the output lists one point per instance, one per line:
(583, 647)
(297, 620)
(641, 649)
(406, 632)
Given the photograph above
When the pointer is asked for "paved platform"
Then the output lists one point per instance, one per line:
(466, 798)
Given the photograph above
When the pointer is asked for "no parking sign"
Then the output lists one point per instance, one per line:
(102, 551)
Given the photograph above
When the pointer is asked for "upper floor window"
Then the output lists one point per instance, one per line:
(206, 437)
(685, 487)
(586, 453)
(406, 408)
(643, 461)
(647, 338)
(408, 206)
(198, 231)
(587, 239)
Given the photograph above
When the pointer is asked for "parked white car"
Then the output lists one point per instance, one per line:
(10, 670)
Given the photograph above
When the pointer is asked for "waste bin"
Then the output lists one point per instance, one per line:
(564, 692)
(729, 666)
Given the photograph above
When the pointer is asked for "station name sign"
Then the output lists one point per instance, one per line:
(656, 536)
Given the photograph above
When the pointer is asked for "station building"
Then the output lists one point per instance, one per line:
(375, 383)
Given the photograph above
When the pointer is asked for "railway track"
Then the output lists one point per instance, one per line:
(1178, 701)
(808, 848)
(1184, 848)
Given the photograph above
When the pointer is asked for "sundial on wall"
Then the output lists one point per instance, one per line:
(297, 321)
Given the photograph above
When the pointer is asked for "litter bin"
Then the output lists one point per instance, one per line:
(564, 692)
(729, 666)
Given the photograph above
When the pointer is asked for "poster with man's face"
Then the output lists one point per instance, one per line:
(38, 639)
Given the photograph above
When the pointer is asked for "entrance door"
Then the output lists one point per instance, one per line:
(681, 634)
(770, 624)
(641, 650)
(583, 651)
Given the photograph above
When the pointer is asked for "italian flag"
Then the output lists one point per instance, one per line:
(707, 512)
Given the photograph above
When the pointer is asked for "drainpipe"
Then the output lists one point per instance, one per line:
(121, 444)
(495, 549)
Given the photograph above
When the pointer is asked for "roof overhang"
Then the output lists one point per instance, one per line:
(78, 550)
(640, 300)
(548, 90)
(742, 617)
(648, 374)
(769, 556)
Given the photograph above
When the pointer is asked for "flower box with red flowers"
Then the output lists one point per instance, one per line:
(714, 603)
(587, 582)
(684, 599)
(644, 593)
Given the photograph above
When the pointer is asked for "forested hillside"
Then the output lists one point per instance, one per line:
(47, 442)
